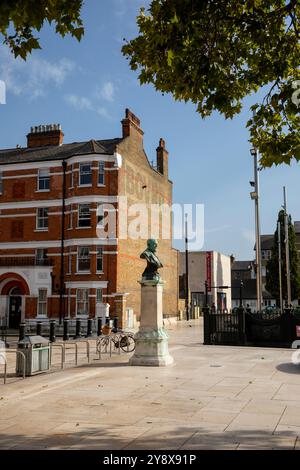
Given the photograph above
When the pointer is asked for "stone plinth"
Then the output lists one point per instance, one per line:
(151, 339)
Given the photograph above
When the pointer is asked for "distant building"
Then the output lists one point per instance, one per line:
(210, 266)
(249, 295)
(242, 270)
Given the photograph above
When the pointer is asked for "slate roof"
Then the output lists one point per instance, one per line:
(241, 265)
(58, 152)
(266, 242)
(249, 290)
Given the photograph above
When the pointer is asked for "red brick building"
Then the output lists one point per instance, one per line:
(53, 199)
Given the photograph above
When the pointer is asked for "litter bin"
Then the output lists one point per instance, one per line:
(37, 355)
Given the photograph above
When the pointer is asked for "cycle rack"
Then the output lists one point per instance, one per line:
(5, 362)
(109, 341)
(2, 356)
(62, 348)
(87, 347)
(73, 343)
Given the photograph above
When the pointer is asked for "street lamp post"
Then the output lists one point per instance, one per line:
(255, 196)
(187, 306)
(241, 294)
(287, 250)
(279, 266)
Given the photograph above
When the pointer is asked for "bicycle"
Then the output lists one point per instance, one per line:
(121, 340)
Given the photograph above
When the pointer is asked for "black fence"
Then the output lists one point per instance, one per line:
(251, 329)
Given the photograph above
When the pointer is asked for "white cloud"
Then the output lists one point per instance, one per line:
(81, 103)
(33, 77)
(107, 92)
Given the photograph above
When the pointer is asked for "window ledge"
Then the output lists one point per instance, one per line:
(41, 230)
(82, 228)
(79, 273)
(42, 191)
(84, 186)
(101, 185)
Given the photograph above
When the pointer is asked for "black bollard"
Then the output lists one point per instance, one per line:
(115, 327)
(107, 321)
(99, 326)
(206, 325)
(22, 331)
(66, 336)
(89, 328)
(39, 328)
(78, 329)
(52, 337)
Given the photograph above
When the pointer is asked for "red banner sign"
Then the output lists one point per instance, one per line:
(208, 269)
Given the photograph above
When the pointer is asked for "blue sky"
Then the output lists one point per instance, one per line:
(86, 87)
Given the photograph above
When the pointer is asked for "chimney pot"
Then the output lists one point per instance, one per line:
(131, 125)
(45, 135)
(162, 158)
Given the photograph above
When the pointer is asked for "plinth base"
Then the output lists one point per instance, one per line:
(151, 348)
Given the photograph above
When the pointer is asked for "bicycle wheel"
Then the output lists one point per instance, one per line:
(127, 343)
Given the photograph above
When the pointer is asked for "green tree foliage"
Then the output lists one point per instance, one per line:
(272, 278)
(21, 19)
(214, 53)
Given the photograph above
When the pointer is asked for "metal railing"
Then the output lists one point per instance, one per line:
(3, 356)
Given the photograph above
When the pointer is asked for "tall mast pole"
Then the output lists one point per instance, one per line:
(257, 231)
(279, 265)
(287, 249)
(186, 271)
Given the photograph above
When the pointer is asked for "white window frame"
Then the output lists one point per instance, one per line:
(81, 165)
(84, 300)
(99, 256)
(71, 217)
(72, 175)
(39, 218)
(101, 174)
(81, 257)
(80, 218)
(70, 261)
(38, 252)
(43, 176)
(42, 302)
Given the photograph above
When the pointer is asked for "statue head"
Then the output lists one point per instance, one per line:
(152, 245)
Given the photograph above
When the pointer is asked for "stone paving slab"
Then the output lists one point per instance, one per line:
(213, 397)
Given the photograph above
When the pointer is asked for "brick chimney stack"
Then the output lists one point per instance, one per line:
(43, 136)
(162, 158)
(131, 125)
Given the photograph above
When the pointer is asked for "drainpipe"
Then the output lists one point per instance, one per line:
(62, 248)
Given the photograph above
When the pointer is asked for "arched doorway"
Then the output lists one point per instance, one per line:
(15, 307)
(13, 289)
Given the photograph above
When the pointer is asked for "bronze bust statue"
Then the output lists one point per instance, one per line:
(153, 262)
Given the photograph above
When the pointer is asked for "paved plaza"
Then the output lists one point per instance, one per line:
(213, 397)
